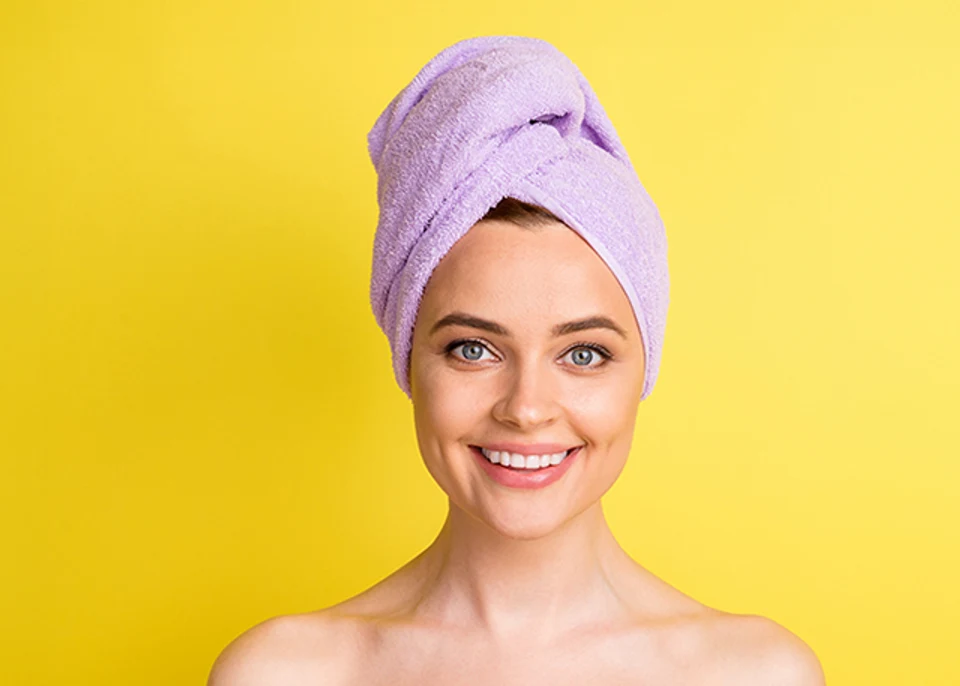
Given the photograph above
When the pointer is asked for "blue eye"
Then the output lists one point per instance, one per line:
(471, 351)
(582, 356)
(588, 356)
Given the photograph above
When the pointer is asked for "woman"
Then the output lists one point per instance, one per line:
(520, 275)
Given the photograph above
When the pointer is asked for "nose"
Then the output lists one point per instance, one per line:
(528, 399)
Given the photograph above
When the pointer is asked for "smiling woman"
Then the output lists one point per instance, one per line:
(522, 284)
(525, 346)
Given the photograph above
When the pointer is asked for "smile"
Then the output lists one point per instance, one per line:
(518, 461)
(538, 470)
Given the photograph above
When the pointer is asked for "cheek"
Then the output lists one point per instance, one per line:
(603, 419)
(446, 415)
(607, 420)
(604, 411)
(446, 405)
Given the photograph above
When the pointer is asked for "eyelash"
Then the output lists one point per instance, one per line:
(595, 347)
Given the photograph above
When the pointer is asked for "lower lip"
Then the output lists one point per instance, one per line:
(525, 478)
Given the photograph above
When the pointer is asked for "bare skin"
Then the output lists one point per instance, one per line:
(521, 586)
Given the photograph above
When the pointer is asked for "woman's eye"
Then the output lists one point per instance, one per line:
(470, 351)
(586, 357)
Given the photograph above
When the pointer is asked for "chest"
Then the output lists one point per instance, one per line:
(461, 664)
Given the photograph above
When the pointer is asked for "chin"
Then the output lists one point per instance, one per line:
(523, 528)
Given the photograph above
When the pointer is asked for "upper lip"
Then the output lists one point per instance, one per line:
(528, 448)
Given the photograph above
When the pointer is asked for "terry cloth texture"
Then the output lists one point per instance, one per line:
(497, 116)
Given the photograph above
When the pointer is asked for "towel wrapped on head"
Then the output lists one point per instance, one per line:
(506, 116)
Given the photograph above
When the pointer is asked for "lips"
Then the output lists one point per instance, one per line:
(524, 477)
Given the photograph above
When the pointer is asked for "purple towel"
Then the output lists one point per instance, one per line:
(497, 116)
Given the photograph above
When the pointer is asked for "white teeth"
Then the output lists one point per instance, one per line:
(518, 461)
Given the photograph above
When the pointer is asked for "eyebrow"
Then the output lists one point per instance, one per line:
(463, 319)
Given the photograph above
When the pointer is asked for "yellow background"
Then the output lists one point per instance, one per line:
(200, 428)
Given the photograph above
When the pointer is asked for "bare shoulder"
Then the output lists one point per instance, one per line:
(749, 649)
(289, 650)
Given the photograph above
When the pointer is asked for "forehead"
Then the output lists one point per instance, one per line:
(528, 277)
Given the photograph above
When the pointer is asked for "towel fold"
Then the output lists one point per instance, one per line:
(497, 116)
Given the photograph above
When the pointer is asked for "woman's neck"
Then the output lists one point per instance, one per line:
(476, 578)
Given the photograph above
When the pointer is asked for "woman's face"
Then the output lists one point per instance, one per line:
(525, 344)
